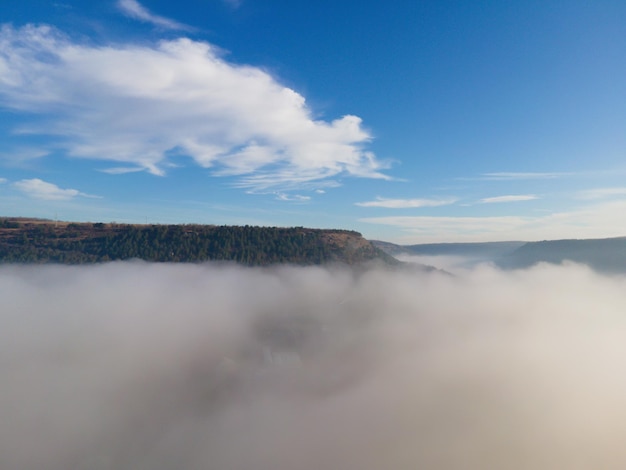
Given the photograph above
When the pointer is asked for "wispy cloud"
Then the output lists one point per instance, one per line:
(24, 154)
(441, 228)
(136, 105)
(3, 180)
(405, 203)
(134, 9)
(292, 197)
(499, 176)
(602, 193)
(39, 189)
(121, 170)
(593, 221)
(510, 198)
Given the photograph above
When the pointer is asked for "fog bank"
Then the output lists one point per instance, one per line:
(160, 366)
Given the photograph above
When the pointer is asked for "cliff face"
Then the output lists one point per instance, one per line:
(36, 241)
(351, 248)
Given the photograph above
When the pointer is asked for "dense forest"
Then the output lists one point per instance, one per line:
(37, 241)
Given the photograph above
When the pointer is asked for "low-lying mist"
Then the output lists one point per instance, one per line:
(157, 366)
(448, 263)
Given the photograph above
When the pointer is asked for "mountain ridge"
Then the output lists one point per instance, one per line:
(605, 255)
(24, 240)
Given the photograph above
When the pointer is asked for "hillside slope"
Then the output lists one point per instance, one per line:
(37, 241)
(607, 255)
(604, 255)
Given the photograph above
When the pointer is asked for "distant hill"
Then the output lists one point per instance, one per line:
(604, 255)
(44, 241)
(450, 255)
(491, 250)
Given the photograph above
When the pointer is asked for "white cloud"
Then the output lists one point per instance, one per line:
(137, 104)
(134, 9)
(19, 155)
(498, 176)
(593, 221)
(292, 198)
(511, 198)
(39, 189)
(405, 203)
(441, 229)
(602, 193)
(121, 170)
(3, 180)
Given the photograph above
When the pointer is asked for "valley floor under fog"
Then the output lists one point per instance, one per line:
(170, 366)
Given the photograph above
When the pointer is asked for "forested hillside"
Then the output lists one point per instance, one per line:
(36, 241)
(604, 255)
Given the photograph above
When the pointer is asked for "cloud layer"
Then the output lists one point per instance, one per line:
(603, 193)
(138, 106)
(39, 189)
(405, 203)
(132, 365)
(508, 198)
(600, 220)
(134, 9)
(511, 175)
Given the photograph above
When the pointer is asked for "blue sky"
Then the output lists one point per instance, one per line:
(409, 121)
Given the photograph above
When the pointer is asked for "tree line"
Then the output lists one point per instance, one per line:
(93, 243)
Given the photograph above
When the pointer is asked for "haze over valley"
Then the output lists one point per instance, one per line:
(160, 366)
(606, 255)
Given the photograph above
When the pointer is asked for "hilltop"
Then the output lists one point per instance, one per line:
(606, 255)
(44, 241)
